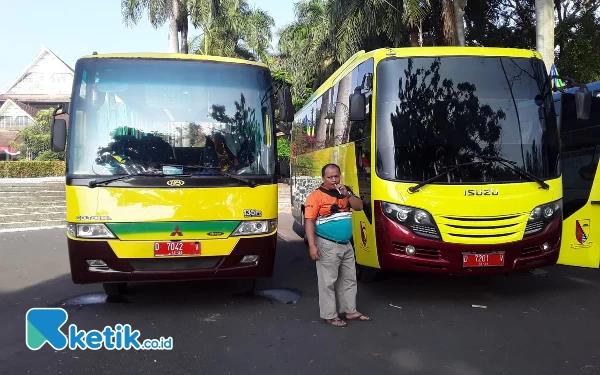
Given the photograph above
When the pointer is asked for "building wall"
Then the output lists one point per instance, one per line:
(48, 76)
(14, 118)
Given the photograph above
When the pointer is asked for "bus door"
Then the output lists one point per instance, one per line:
(580, 152)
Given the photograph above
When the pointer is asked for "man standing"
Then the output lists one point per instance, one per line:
(329, 230)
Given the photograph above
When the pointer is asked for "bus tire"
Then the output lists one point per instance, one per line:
(366, 274)
(114, 289)
(245, 287)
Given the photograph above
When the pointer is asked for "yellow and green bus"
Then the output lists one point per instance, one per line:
(171, 168)
(455, 152)
(580, 141)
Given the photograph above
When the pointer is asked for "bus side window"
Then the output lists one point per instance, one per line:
(580, 152)
(360, 134)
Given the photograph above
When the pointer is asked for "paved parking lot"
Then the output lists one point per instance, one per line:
(536, 323)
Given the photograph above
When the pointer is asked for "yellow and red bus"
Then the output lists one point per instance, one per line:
(580, 141)
(171, 168)
(455, 152)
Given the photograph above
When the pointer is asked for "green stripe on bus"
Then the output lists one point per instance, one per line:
(123, 229)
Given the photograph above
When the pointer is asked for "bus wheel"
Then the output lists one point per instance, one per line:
(366, 274)
(114, 289)
(245, 287)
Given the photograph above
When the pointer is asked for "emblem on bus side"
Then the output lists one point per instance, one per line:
(252, 213)
(582, 234)
(470, 192)
(175, 182)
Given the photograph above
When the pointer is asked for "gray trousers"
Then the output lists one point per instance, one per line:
(336, 273)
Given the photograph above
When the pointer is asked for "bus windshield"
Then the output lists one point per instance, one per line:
(434, 113)
(157, 115)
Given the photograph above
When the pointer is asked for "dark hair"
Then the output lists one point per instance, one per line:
(327, 166)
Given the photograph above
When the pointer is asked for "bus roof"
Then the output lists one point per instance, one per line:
(382, 53)
(461, 51)
(174, 56)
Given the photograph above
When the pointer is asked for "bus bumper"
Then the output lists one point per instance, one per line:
(172, 268)
(443, 257)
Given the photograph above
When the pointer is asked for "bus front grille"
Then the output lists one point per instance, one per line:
(508, 227)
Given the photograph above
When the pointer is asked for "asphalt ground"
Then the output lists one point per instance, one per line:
(544, 322)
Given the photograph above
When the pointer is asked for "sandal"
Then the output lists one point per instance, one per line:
(336, 322)
(360, 318)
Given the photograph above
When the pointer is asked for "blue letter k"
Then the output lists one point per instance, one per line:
(43, 325)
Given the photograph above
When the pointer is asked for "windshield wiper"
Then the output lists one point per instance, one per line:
(217, 170)
(512, 165)
(416, 188)
(95, 183)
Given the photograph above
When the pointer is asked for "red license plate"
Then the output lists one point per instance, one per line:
(483, 259)
(172, 248)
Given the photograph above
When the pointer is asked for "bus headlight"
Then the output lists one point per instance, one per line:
(255, 227)
(541, 215)
(89, 231)
(419, 221)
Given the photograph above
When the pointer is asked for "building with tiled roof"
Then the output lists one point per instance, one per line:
(46, 82)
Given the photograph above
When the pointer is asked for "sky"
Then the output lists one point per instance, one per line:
(74, 28)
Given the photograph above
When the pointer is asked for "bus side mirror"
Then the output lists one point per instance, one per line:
(587, 172)
(583, 103)
(286, 108)
(58, 135)
(358, 111)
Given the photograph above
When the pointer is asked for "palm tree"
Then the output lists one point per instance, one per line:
(233, 30)
(307, 45)
(159, 11)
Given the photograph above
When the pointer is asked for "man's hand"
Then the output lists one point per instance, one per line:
(355, 202)
(343, 190)
(314, 253)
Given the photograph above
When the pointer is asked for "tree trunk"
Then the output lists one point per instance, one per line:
(206, 40)
(449, 23)
(184, 37)
(173, 32)
(414, 37)
(459, 16)
(544, 29)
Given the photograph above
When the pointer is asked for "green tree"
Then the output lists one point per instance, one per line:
(283, 147)
(35, 139)
(235, 30)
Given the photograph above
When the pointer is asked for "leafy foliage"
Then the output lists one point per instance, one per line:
(30, 169)
(283, 147)
(36, 139)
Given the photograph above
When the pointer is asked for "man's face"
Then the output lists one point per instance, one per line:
(331, 177)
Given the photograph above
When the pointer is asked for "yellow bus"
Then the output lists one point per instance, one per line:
(454, 150)
(171, 168)
(581, 186)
